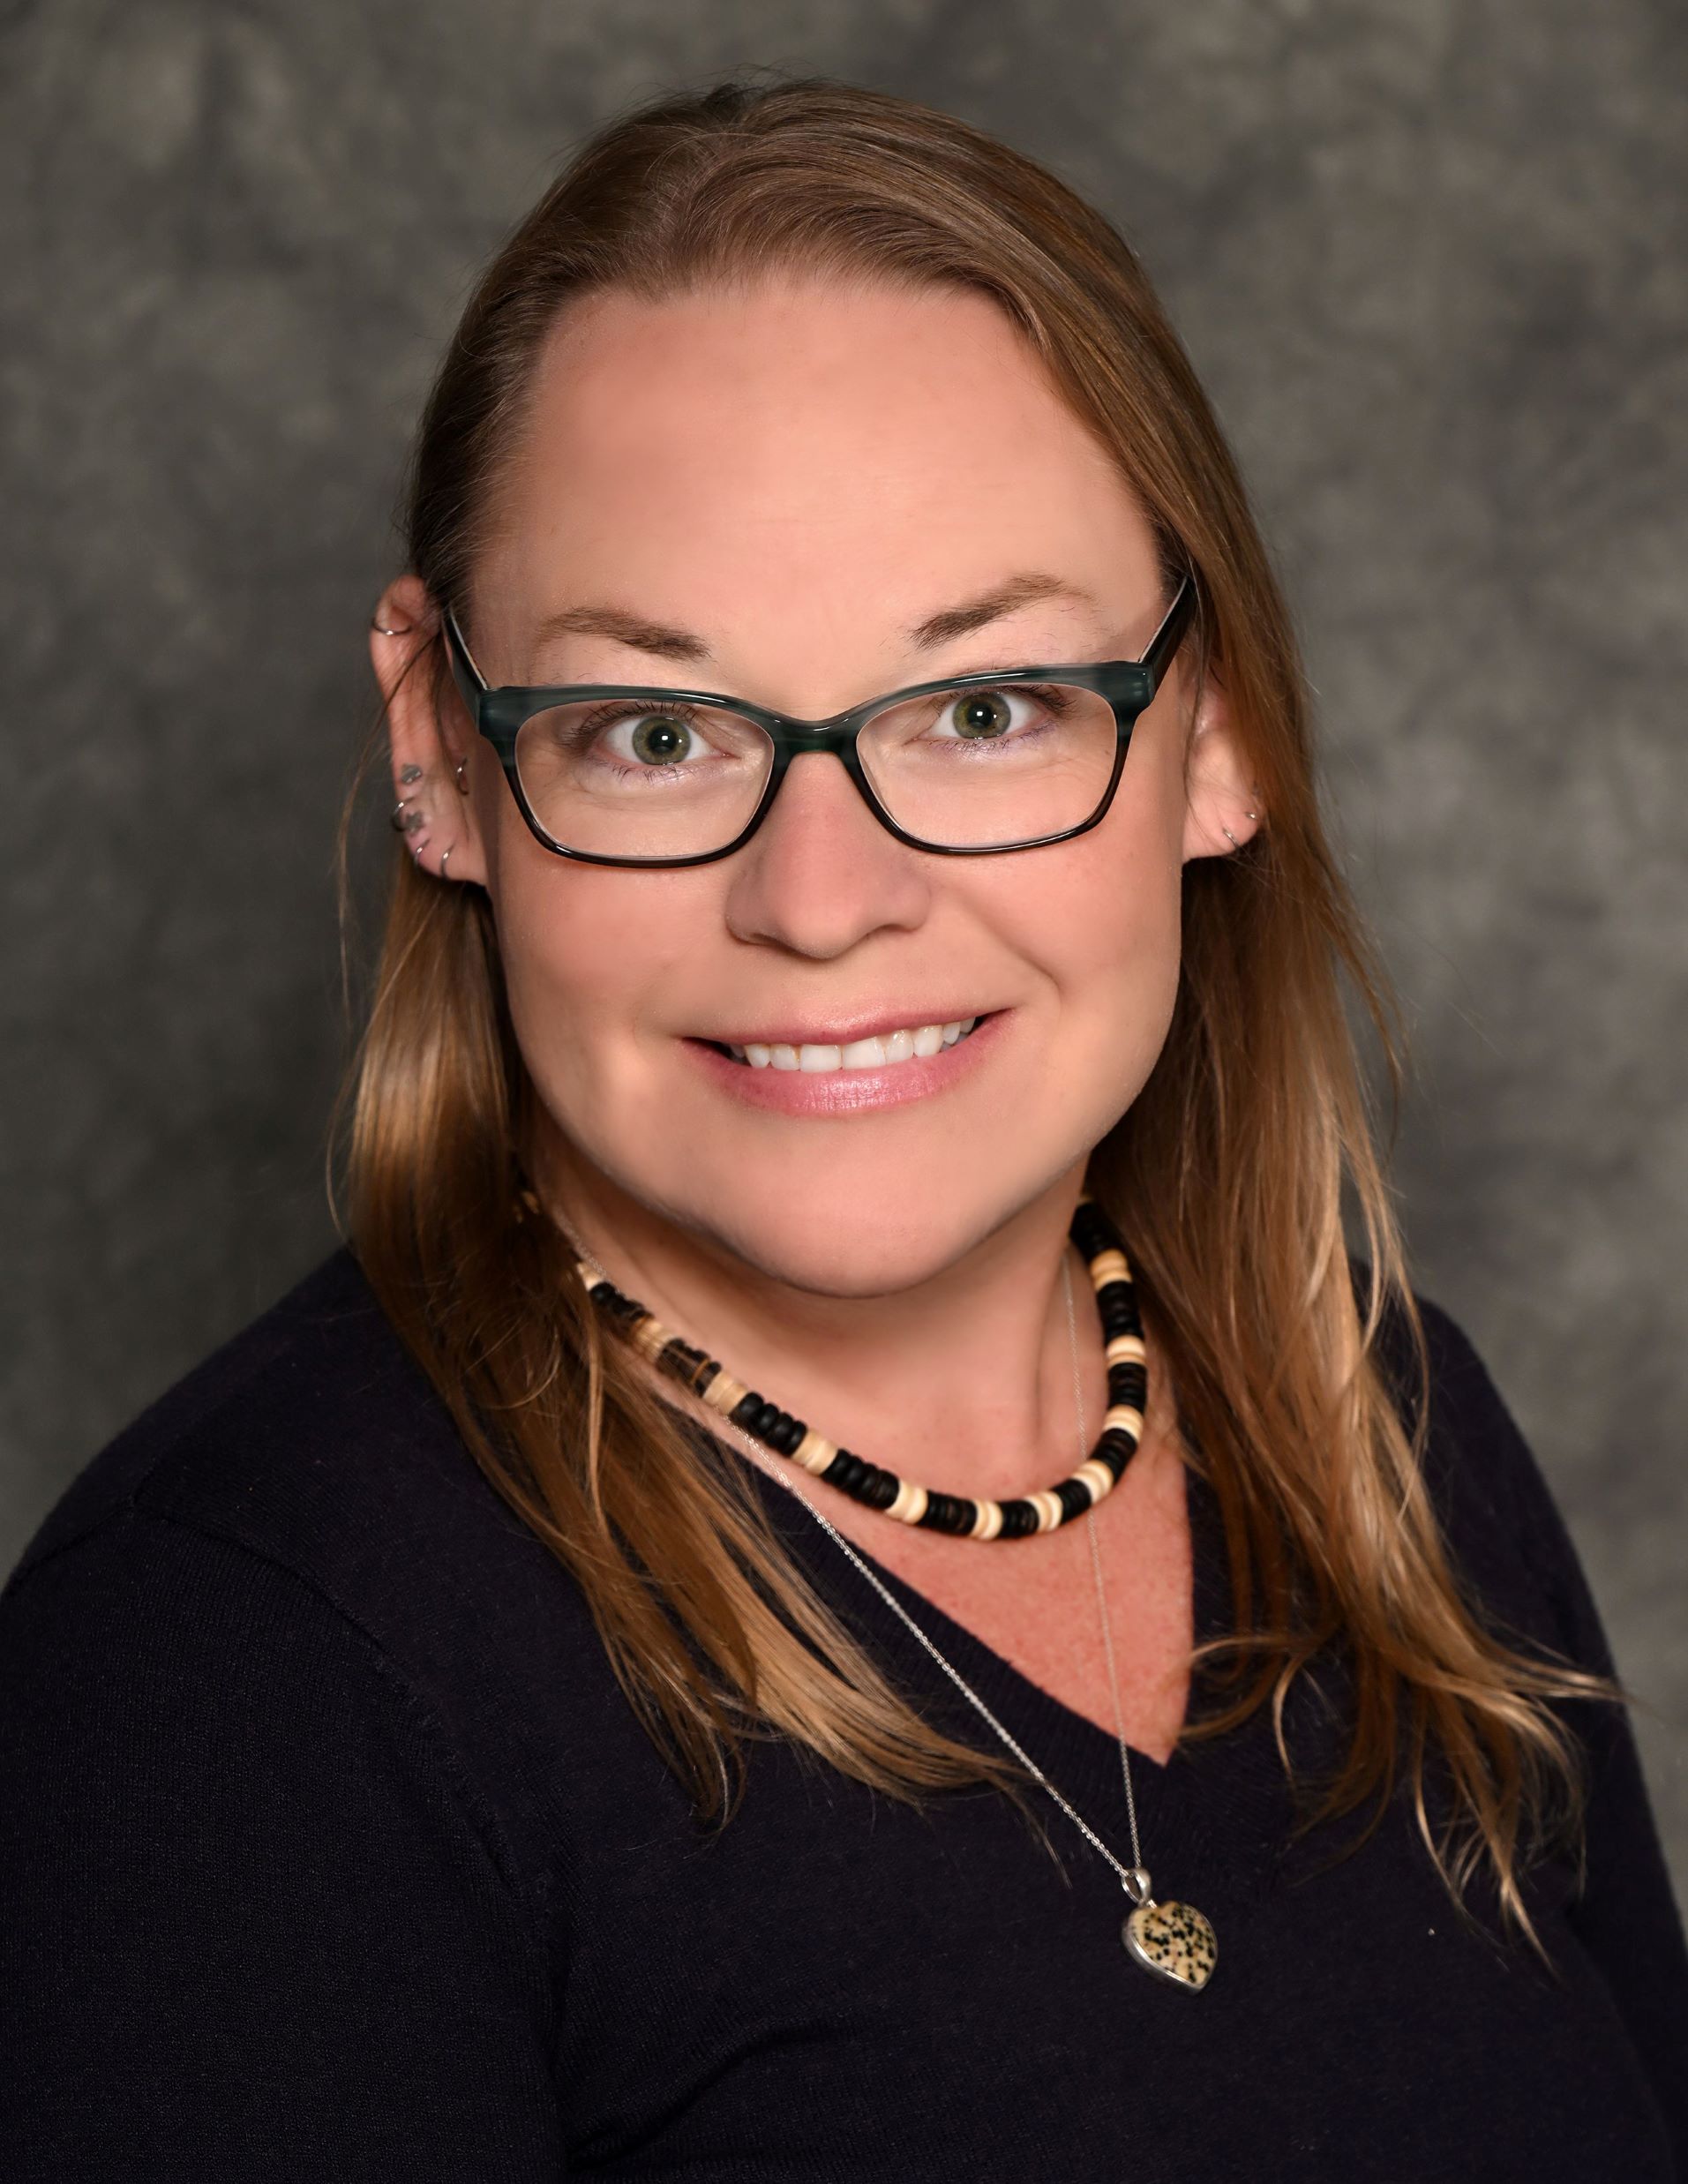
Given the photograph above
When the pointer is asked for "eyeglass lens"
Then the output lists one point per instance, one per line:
(964, 769)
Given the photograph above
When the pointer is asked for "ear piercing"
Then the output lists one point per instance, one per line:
(382, 629)
(1230, 838)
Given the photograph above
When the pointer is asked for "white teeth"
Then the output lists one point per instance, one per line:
(909, 1043)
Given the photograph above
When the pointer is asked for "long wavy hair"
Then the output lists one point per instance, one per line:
(1231, 1174)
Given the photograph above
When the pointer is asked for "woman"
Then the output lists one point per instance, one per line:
(860, 862)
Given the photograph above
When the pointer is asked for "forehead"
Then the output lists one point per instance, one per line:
(839, 450)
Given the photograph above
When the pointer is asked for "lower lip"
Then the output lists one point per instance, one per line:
(849, 1091)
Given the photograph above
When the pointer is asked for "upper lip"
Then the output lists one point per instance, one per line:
(841, 1031)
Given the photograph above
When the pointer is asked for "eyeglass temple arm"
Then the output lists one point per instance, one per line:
(1159, 648)
(458, 638)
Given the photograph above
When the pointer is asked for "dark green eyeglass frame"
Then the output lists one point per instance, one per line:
(1128, 685)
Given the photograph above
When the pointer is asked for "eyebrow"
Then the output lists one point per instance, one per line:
(943, 627)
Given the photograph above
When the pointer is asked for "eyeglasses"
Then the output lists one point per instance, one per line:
(635, 773)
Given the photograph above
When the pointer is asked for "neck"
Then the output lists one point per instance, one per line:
(963, 1381)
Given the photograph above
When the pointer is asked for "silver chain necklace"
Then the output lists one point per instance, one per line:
(1172, 1941)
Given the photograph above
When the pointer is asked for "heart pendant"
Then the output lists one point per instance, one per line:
(1174, 1942)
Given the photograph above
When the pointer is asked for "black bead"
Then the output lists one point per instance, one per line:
(949, 1512)
(1092, 1232)
(1019, 1519)
(1128, 1384)
(882, 1488)
(1074, 1497)
(789, 1438)
(680, 1361)
(849, 1474)
(1115, 1449)
(610, 1300)
(747, 1410)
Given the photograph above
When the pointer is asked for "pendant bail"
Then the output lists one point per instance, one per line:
(1137, 1885)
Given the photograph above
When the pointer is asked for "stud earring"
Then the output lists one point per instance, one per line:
(408, 774)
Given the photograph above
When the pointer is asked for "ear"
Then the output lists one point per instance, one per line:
(437, 765)
(1222, 805)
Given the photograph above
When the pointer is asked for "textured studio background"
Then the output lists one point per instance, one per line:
(1427, 255)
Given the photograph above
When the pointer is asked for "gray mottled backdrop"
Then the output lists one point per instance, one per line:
(1426, 254)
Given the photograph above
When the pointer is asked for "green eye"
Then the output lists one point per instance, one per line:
(659, 741)
(981, 713)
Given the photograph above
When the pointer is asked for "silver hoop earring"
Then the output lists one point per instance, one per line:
(445, 861)
(1230, 838)
(458, 769)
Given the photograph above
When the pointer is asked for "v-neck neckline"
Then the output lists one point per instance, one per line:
(1065, 1735)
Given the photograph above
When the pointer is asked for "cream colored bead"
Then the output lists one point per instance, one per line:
(650, 1338)
(988, 1522)
(1127, 1350)
(1096, 1476)
(1108, 1266)
(910, 1506)
(1050, 1512)
(814, 1452)
(1123, 1418)
(724, 1393)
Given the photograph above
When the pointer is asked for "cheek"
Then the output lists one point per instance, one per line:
(587, 953)
(1104, 926)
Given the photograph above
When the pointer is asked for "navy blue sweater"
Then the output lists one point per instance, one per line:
(330, 1849)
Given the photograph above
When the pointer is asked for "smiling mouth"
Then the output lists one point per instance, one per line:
(915, 1043)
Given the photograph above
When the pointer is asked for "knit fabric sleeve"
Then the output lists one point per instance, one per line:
(1624, 1916)
(251, 1924)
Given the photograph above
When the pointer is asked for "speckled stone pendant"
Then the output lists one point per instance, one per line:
(1172, 1941)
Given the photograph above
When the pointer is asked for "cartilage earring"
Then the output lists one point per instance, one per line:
(408, 774)
(445, 861)
(382, 629)
(459, 770)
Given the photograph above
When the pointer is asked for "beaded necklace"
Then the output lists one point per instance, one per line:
(1171, 1939)
(871, 1484)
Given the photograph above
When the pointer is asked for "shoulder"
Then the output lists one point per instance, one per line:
(300, 1438)
(308, 1461)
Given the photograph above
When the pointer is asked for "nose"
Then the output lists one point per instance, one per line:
(821, 874)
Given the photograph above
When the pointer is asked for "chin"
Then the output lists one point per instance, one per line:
(847, 1235)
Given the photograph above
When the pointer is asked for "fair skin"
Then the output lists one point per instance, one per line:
(780, 484)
